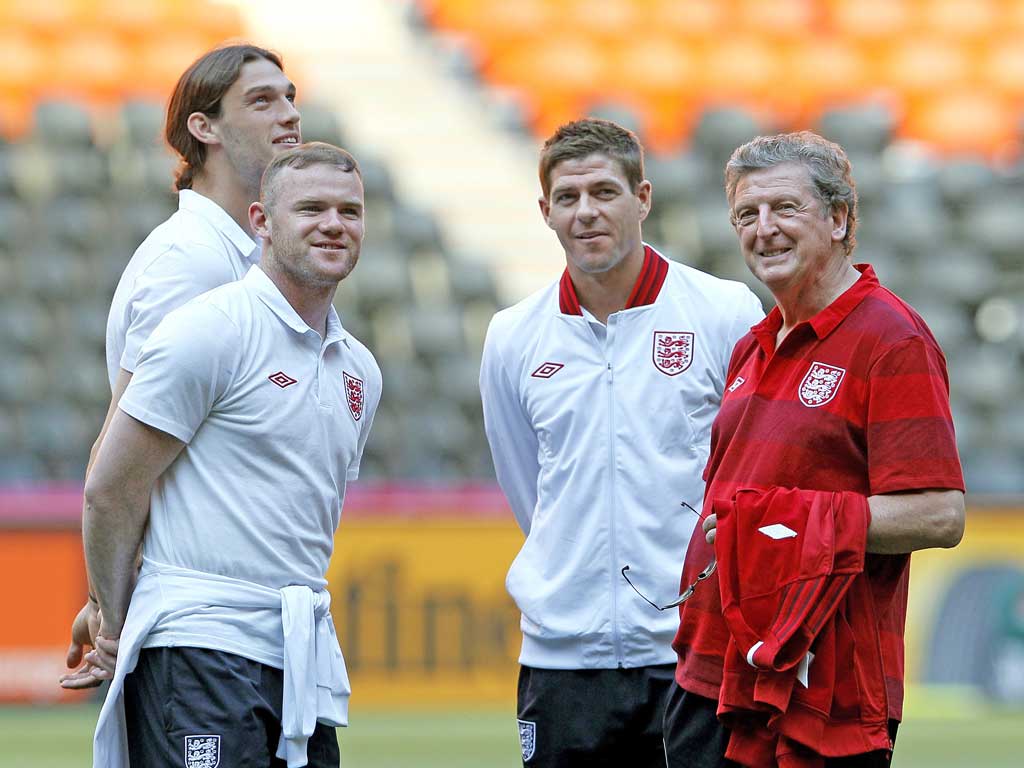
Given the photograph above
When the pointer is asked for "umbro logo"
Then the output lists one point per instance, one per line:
(547, 370)
(777, 531)
(282, 379)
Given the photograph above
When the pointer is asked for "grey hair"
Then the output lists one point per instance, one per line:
(826, 163)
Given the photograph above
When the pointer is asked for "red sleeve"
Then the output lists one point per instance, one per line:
(910, 439)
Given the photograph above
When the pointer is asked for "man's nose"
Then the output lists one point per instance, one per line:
(586, 209)
(765, 221)
(332, 221)
(291, 114)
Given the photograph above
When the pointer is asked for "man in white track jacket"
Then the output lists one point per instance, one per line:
(598, 394)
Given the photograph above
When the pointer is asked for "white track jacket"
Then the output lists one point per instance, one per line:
(598, 433)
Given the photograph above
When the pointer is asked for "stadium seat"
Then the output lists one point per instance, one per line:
(27, 324)
(859, 128)
(14, 229)
(428, 272)
(320, 123)
(436, 332)
(89, 64)
(83, 222)
(960, 19)
(63, 123)
(22, 380)
(142, 122)
(471, 280)
(992, 221)
(720, 130)
(416, 228)
(79, 377)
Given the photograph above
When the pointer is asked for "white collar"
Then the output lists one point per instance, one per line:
(190, 200)
(260, 283)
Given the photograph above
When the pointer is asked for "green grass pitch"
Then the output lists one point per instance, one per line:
(60, 737)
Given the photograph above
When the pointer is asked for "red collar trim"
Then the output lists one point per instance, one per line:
(645, 290)
(827, 319)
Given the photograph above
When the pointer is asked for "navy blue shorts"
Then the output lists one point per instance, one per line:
(197, 708)
(589, 718)
(694, 737)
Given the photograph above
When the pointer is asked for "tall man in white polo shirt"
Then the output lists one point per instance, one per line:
(228, 459)
(231, 111)
(598, 393)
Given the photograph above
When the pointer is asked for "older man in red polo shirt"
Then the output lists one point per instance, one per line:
(841, 394)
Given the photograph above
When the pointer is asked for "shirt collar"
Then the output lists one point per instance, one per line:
(826, 321)
(645, 290)
(260, 283)
(204, 207)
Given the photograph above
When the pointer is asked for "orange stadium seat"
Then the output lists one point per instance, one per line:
(967, 121)
(22, 68)
(869, 21)
(822, 72)
(158, 62)
(959, 19)
(693, 20)
(741, 70)
(791, 19)
(93, 66)
(925, 65)
(659, 75)
(1001, 66)
(558, 75)
(609, 21)
(135, 21)
(51, 18)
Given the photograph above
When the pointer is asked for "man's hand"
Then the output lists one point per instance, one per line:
(708, 526)
(103, 656)
(83, 635)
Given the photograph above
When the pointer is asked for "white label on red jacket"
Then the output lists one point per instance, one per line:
(777, 531)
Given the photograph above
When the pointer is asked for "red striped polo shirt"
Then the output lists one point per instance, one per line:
(855, 399)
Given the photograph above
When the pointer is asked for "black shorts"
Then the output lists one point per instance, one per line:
(694, 737)
(593, 717)
(193, 707)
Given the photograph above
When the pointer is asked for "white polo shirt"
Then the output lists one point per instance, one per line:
(200, 247)
(598, 432)
(275, 420)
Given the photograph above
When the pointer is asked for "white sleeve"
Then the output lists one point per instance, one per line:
(180, 274)
(513, 442)
(184, 367)
(374, 388)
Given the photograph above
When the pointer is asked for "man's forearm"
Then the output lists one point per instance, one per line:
(906, 522)
(112, 531)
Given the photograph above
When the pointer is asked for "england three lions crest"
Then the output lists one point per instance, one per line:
(202, 751)
(673, 351)
(820, 384)
(354, 395)
(527, 739)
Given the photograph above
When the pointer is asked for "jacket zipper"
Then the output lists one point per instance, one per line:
(616, 639)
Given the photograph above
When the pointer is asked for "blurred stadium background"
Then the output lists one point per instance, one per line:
(445, 103)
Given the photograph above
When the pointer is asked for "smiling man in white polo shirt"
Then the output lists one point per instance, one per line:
(228, 458)
(231, 111)
(598, 393)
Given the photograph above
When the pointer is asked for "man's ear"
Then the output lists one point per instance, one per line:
(202, 128)
(840, 220)
(645, 194)
(259, 221)
(545, 210)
